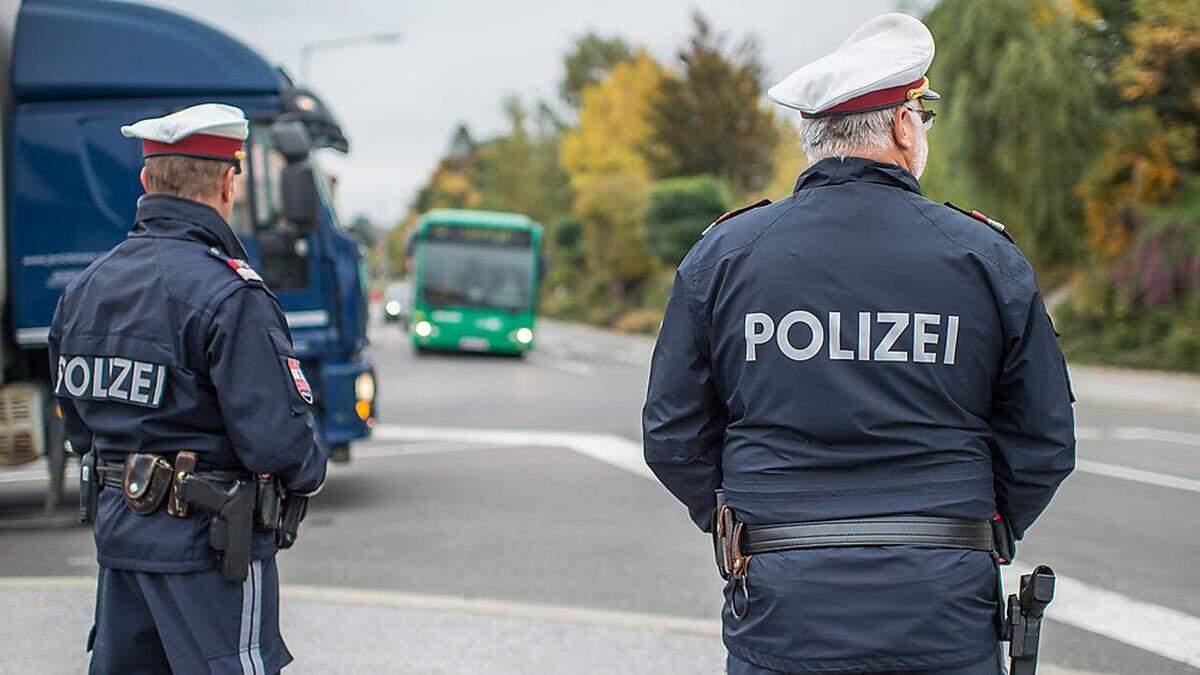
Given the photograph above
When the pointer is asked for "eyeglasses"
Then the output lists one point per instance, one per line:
(927, 117)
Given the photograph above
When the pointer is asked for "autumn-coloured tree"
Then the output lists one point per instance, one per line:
(453, 183)
(1139, 299)
(605, 159)
(710, 117)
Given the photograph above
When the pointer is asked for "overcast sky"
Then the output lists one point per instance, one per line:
(457, 61)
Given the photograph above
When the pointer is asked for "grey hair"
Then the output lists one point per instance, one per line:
(847, 135)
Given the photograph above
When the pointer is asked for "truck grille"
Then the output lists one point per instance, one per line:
(21, 424)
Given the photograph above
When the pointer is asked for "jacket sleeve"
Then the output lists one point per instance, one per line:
(77, 432)
(268, 422)
(683, 421)
(1031, 418)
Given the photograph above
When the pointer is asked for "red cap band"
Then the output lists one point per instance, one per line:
(874, 100)
(197, 145)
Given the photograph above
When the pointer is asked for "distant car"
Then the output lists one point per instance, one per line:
(397, 302)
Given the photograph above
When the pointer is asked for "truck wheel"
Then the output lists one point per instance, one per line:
(340, 453)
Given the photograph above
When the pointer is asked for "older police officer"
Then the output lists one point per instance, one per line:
(174, 369)
(868, 378)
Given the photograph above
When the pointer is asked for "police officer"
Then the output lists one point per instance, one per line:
(869, 378)
(173, 366)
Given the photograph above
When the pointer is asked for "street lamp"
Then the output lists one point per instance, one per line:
(309, 47)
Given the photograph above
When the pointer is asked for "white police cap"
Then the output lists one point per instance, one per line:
(882, 64)
(206, 131)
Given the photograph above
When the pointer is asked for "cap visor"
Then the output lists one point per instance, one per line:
(930, 95)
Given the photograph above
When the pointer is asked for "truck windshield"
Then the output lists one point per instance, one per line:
(476, 275)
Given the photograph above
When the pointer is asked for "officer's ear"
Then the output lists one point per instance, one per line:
(227, 186)
(904, 132)
(145, 180)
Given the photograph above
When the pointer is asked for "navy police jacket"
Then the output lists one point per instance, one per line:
(161, 346)
(856, 350)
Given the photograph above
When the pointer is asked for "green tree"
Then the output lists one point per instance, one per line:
(678, 210)
(591, 57)
(1020, 120)
(710, 119)
(519, 170)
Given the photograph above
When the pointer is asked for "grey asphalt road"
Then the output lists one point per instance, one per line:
(578, 565)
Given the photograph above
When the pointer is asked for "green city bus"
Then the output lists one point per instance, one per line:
(475, 281)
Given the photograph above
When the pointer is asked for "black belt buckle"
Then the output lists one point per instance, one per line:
(1004, 544)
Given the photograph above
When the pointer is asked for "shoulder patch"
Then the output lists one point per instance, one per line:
(241, 267)
(994, 224)
(731, 214)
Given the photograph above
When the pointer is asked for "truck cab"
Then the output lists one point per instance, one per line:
(82, 68)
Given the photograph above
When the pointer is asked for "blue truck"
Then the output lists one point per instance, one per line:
(73, 72)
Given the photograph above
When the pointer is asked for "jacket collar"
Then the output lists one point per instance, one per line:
(163, 215)
(835, 171)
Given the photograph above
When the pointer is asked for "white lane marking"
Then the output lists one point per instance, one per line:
(565, 365)
(374, 449)
(449, 603)
(1137, 475)
(1156, 435)
(1137, 434)
(608, 448)
(626, 454)
(1160, 630)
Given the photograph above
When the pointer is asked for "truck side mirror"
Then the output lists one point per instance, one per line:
(300, 201)
(290, 138)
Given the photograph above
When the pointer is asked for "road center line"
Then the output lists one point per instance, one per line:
(565, 365)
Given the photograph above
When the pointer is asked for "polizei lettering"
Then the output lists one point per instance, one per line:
(880, 336)
(111, 378)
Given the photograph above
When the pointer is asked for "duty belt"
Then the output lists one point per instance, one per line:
(735, 542)
(112, 474)
(929, 531)
(237, 503)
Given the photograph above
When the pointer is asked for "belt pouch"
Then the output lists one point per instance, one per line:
(147, 481)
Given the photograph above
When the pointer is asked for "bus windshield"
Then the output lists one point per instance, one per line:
(476, 274)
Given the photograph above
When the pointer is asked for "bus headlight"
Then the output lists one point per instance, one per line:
(392, 308)
(524, 335)
(423, 329)
(364, 387)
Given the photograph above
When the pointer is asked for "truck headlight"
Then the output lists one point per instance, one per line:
(423, 329)
(364, 387)
(392, 308)
(524, 335)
